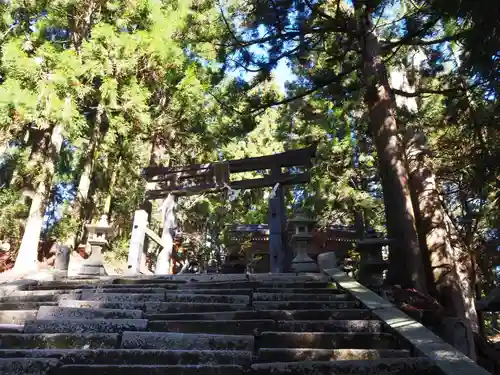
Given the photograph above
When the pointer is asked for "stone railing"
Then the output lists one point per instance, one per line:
(424, 342)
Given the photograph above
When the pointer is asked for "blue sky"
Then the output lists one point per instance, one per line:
(283, 74)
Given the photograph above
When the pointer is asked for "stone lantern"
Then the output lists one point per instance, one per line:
(302, 237)
(96, 238)
(371, 262)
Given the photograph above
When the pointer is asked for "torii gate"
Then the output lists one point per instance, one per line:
(286, 168)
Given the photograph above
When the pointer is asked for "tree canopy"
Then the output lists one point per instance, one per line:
(93, 91)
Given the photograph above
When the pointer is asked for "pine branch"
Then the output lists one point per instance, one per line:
(420, 92)
(228, 26)
(271, 61)
(408, 39)
(319, 11)
(281, 35)
(444, 39)
(284, 36)
(278, 20)
(310, 91)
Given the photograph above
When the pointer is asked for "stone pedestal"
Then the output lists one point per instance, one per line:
(301, 239)
(94, 265)
(327, 261)
(303, 263)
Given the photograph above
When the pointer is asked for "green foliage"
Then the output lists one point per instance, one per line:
(67, 224)
(145, 82)
(12, 213)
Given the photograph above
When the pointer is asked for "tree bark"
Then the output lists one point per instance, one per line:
(450, 262)
(405, 257)
(109, 195)
(43, 156)
(5, 170)
(82, 195)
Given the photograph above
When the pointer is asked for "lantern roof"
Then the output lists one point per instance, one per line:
(302, 218)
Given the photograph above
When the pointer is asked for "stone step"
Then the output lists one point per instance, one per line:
(296, 285)
(73, 283)
(187, 277)
(25, 305)
(220, 285)
(123, 297)
(385, 366)
(175, 285)
(105, 286)
(39, 295)
(296, 355)
(156, 307)
(148, 290)
(259, 285)
(354, 314)
(327, 340)
(59, 286)
(371, 326)
(147, 280)
(266, 277)
(173, 288)
(303, 305)
(299, 297)
(190, 307)
(150, 370)
(219, 292)
(252, 285)
(54, 312)
(11, 328)
(139, 290)
(119, 287)
(301, 290)
(85, 325)
(235, 327)
(136, 356)
(58, 341)
(27, 366)
(16, 316)
(210, 298)
(186, 341)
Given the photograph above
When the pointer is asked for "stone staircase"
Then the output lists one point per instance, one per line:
(205, 324)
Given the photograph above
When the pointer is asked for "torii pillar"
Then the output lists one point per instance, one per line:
(280, 260)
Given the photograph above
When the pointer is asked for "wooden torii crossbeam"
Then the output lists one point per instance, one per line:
(199, 178)
(286, 168)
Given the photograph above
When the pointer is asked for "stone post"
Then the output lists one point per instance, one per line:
(137, 240)
(167, 237)
(61, 263)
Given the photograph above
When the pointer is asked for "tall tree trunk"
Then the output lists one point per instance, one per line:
(405, 256)
(448, 266)
(82, 194)
(450, 262)
(44, 155)
(13, 178)
(109, 196)
(157, 155)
